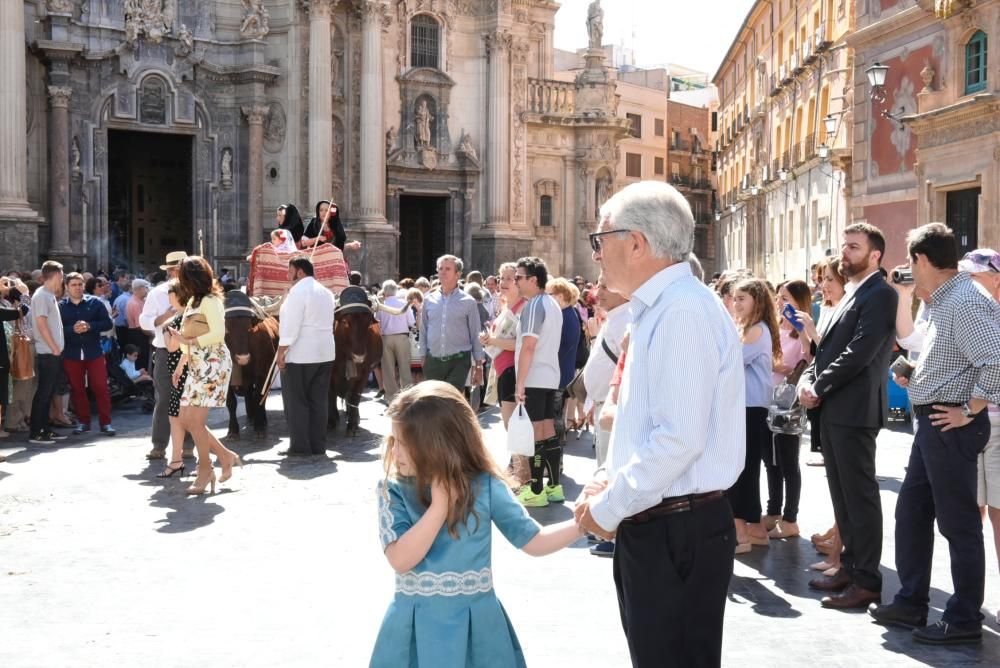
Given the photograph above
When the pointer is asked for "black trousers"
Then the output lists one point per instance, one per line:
(784, 477)
(744, 495)
(940, 484)
(849, 456)
(49, 371)
(305, 392)
(672, 574)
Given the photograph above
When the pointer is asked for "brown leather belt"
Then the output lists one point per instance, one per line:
(927, 409)
(674, 504)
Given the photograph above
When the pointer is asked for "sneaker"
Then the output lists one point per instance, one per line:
(56, 436)
(594, 540)
(41, 438)
(108, 430)
(529, 499)
(81, 429)
(943, 633)
(603, 549)
(554, 494)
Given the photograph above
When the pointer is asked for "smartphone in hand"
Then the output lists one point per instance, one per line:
(789, 313)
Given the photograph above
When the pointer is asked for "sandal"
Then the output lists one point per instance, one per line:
(170, 470)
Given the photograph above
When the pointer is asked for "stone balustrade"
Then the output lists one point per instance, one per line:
(547, 96)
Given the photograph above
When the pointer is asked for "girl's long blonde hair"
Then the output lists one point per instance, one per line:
(445, 444)
(763, 311)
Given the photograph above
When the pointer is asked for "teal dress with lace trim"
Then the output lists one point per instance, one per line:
(445, 613)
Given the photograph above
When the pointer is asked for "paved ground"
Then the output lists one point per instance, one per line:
(102, 564)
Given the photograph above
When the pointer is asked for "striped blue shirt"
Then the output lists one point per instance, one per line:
(680, 424)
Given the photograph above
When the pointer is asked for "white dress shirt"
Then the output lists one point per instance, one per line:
(680, 425)
(157, 303)
(600, 368)
(305, 323)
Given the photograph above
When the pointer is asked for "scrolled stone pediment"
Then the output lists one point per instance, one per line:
(427, 76)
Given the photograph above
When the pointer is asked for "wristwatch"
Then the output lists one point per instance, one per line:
(968, 412)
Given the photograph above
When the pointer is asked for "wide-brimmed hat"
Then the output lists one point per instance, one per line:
(174, 258)
(980, 261)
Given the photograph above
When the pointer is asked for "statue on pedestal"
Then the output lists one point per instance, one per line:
(595, 24)
(422, 120)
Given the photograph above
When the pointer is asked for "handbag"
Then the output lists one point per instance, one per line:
(520, 433)
(786, 415)
(22, 354)
(194, 325)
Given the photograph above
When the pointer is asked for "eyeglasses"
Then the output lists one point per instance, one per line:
(595, 238)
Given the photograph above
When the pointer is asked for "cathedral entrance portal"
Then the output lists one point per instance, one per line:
(149, 198)
(422, 234)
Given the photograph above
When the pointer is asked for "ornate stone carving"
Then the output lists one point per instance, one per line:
(519, 93)
(320, 7)
(465, 148)
(186, 39)
(497, 42)
(226, 168)
(336, 58)
(59, 96)
(61, 6)
(927, 76)
(256, 19)
(520, 48)
(151, 19)
(255, 114)
(422, 120)
(153, 101)
(595, 24)
(996, 154)
(275, 125)
(338, 146)
(74, 153)
(372, 10)
(390, 142)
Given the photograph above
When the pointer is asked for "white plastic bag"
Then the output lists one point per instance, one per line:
(520, 433)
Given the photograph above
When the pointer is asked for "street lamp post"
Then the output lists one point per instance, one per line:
(876, 78)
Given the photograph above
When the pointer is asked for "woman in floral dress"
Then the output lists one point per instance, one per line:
(208, 366)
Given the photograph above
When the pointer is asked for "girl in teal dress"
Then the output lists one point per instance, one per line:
(442, 493)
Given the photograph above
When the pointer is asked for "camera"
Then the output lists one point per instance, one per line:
(902, 276)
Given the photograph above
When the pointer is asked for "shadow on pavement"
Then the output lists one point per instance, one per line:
(304, 468)
(763, 600)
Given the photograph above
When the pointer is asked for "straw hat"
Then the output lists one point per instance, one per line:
(174, 258)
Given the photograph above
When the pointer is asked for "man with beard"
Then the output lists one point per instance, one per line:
(848, 376)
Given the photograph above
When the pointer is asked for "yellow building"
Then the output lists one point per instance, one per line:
(782, 140)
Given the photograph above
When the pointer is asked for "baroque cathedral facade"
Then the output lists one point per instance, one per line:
(437, 126)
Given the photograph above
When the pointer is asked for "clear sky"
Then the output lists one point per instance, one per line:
(692, 33)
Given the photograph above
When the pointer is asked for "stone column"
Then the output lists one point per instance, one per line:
(372, 205)
(59, 169)
(14, 112)
(255, 174)
(320, 101)
(498, 132)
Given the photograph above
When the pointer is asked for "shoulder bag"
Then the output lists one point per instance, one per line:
(22, 354)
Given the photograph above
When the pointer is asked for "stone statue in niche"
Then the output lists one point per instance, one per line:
(74, 153)
(186, 39)
(595, 24)
(150, 18)
(422, 121)
(153, 102)
(338, 146)
(927, 76)
(603, 191)
(256, 19)
(226, 168)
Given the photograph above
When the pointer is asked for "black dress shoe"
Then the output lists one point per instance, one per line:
(852, 598)
(894, 614)
(943, 633)
(838, 582)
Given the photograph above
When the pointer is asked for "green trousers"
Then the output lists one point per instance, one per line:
(453, 371)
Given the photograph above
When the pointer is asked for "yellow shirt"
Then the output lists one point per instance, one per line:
(214, 310)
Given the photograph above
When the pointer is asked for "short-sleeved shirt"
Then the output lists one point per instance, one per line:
(44, 304)
(543, 319)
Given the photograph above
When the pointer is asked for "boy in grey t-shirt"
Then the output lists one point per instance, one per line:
(49, 343)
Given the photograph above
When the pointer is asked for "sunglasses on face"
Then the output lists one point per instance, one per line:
(595, 238)
(991, 261)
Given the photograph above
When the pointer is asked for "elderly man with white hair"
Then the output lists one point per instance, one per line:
(678, 438)
(395, 342)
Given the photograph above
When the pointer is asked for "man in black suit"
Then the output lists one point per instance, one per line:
(848, 376)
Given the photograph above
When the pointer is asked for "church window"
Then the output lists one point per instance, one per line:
(545, 212)
(636, 130)
(975, 63)
(425, 41)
